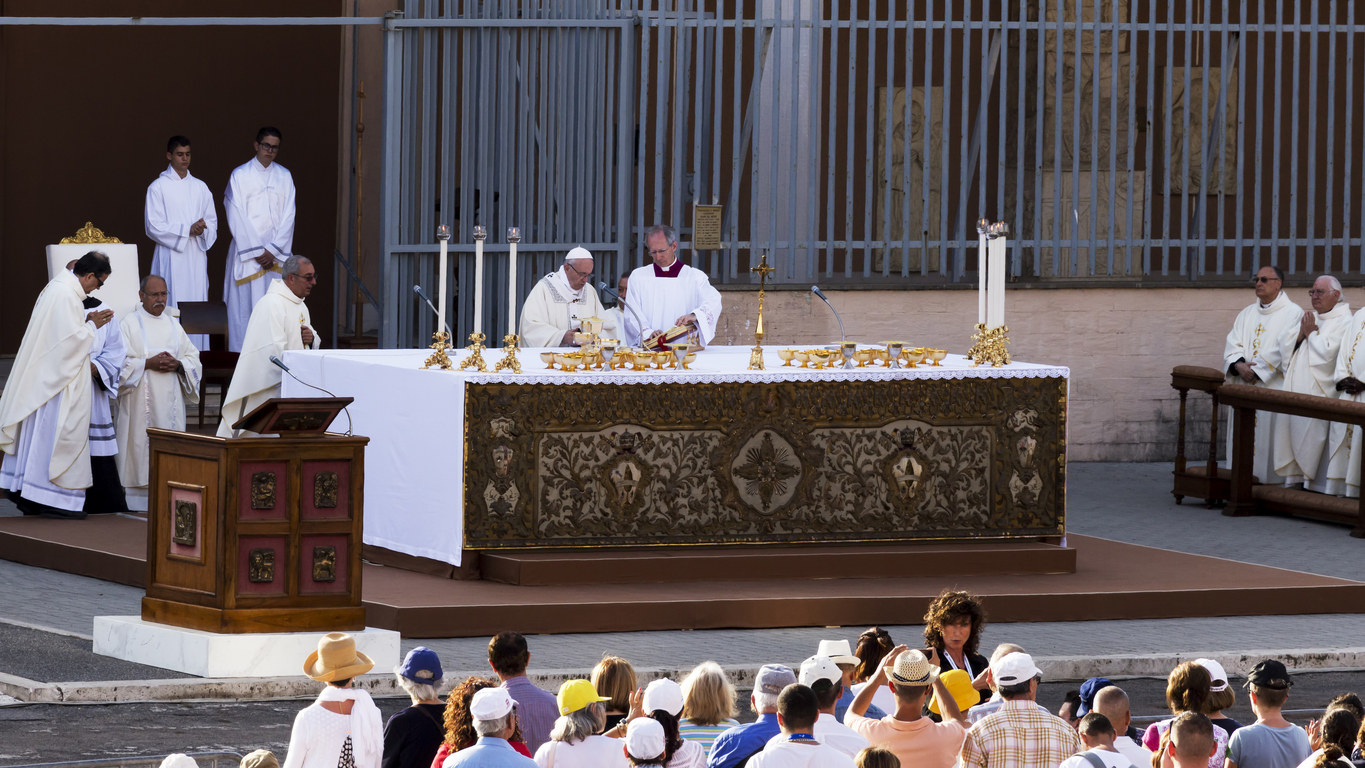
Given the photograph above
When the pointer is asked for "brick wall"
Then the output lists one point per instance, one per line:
(1120, 345)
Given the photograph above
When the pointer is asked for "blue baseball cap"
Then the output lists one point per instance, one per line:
(1088, 690)
(422, 666)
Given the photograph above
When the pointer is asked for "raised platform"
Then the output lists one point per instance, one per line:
(1112, 580)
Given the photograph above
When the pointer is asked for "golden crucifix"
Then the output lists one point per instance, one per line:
(762, 270)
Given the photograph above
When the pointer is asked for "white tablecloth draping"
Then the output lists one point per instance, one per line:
(414, 467)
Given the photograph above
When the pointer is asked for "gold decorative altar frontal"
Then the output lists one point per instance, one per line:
(596, 464)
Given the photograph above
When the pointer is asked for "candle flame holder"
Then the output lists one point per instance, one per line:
(475, 360)
(480, 232)
(509, 343)
(439, 358)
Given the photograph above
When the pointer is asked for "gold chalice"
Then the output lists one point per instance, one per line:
(566, 360)
(786, 355)
(937, 356)
(690, 359)
(801, 357)
(820, 357)
(864, 356)
(913, 356)
(549, 359)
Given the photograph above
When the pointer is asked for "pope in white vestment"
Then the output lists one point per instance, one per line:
(1256, 349)
(160, 378)
(280, 322)
(668, 293)
(260, 211)
(179, 216)
(45, 408)
(1302, 448)
(556, 305)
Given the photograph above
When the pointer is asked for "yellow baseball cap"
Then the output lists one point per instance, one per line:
(577, 694)
(959, 684)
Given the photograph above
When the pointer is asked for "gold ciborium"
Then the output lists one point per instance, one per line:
(937, 356)
(820, 357)
(786, 355)
(865, 356)
(801, 357)
(641, 360)
(591, 325)
(913, 357)
(549, 359)
(661, 359)
(568, 360)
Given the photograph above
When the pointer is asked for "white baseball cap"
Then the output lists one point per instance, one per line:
(663, 694)
(1216, 673)
(645, 738)
(490, 704)
(837, 650)
(819, 668)
(1013, 669)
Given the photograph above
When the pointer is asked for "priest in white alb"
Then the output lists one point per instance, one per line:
(668, 293)
(107, 355)
(161, 375)
(180, 218)
(45, 408)
(280, 322)
(560, 301)
(1256, 353)
(1302, 448)
(260, 212)
(1344, 443)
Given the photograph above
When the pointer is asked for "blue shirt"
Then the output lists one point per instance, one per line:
(489, 752)
(846, 699)
(735, 745)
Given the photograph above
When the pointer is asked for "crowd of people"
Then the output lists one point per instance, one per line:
(942, 705)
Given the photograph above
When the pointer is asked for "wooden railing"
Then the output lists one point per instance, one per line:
(1203, 482)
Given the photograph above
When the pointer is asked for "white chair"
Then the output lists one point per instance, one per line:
(120, 290)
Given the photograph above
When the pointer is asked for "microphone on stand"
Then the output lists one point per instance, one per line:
(285, 368)
(602, 286)
(815, 289)
(427, 299)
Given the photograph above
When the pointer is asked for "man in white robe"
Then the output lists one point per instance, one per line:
(160, 378)
(45, 408)
(1256, 354)
(260, 211)
(669, 293)
(280, 322)
(560, 301)
(180, 218)
(1344, 443)
(616, 315)
(1301, 444)
(107, 353)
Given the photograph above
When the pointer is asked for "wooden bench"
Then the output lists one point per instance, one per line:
(1208, 482)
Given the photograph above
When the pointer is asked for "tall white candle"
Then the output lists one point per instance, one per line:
(995, 315)
(981, 270)
(513, 237)
(442, 234)
(479, 234)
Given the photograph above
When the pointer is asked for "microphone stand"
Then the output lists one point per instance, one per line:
(815, 289)
(439, 358)
(602, 286)
(349, 423)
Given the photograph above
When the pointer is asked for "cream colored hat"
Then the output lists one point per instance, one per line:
(911, 668)
(336, 659)
(261, 758)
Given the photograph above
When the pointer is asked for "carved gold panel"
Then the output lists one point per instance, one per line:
(263, 490)
(186, 528)
(324, 564)
(601, 465)
(325, 487)
(261, 565)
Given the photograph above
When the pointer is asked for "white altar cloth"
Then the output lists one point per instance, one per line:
(414, 467)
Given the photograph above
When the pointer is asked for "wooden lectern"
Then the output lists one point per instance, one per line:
(257, 534)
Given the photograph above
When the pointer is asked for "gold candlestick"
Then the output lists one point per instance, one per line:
(439, 358)
(509, 343)
(475, 360)
(756, 355)
(991, 347)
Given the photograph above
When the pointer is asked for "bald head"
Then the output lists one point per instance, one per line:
(1112, 702)
(1325, 294)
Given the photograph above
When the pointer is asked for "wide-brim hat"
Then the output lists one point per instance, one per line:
(336, 659)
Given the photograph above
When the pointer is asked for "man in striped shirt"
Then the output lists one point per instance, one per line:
(1019, 735)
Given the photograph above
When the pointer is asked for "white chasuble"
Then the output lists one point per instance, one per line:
(108, 354)
(658, 297)
(1301, 444)
(1343, 441)
(552, 308)
(45, 408)
(1257, 338)
(276, 325)
(173, 206)
(259, 203)
(151, 398)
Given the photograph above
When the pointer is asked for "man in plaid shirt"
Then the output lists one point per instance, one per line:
(1019, 734)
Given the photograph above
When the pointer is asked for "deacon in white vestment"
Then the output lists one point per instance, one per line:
(45, 408)
(1344, 443)
(260, 211)
(279, 322)
(668, 293)
(160, 378)
(107, 354)
(1256, 354)
(180, 218)
(1301, 444)
(556, 305)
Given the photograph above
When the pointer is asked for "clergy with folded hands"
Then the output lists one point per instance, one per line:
(669, 294)
(45, 408)
(279, 322)
(160, 378)
(1344, 443)
(1301, 444)
(559, 303)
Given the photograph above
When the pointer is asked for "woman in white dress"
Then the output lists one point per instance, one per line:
(342, 729)
(574, 742)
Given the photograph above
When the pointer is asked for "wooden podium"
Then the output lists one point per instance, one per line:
(257, 534)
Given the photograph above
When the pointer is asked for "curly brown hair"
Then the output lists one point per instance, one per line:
(459, 723)
(954, 607)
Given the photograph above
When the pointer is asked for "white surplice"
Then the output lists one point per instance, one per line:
(1343, 441)
(107, 352)
(173, 206)
(553, 307)
(151, 398)
(1258, 338)
(260, 212)
(276, 325)
(1301, 444)
(658, 297)
(45, 408)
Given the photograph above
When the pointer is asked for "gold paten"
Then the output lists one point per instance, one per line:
(89, 235)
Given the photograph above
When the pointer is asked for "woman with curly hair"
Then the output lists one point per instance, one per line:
(953, 625)
(459, 723)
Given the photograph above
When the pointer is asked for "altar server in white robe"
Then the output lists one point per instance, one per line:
(616, 315)
(260, 211)
(45, 408)
(1344, 443)
(1256, 354)
(160, 378)
(180, 218)
(669, 293)
(556, 305)
(280, 322)
(107, 355)
(1302, 448)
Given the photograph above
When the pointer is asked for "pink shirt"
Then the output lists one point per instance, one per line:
(922, 743)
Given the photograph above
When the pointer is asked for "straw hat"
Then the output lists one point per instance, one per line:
(336, 659)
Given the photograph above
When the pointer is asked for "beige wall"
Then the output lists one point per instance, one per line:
(1120, 345)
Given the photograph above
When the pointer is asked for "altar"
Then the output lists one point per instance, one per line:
(716, 454)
